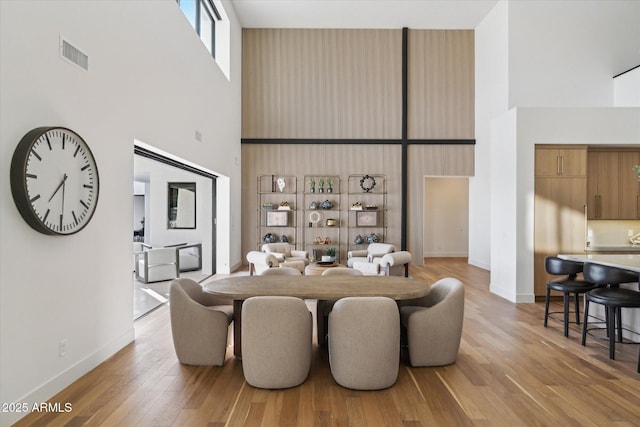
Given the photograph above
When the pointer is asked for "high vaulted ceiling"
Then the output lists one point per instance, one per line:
(417, 14)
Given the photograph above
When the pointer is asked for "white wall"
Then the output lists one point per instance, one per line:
(564, 53)
(149, 78)
(491, 97)
(626, 89)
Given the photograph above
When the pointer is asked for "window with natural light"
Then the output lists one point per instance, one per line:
(208, 19)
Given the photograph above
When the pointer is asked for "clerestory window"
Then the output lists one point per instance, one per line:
(203, 15)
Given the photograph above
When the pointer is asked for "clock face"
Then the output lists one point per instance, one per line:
(54, 180)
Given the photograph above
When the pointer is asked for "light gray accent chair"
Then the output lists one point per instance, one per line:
(364, 342)
(138, 250)
(434, 324)
(277, 333)
(285, 252)
(189, 256)
(323, 307)
(158, 264)
(260, 261)
(199, 323)
(281, 271)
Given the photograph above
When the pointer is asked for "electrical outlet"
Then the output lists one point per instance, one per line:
(62, 348)
(630, 233)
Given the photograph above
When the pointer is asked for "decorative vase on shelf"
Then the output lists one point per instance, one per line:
(373, 238)
(326, 205)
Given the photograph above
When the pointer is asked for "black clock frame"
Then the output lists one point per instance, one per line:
(18, 180)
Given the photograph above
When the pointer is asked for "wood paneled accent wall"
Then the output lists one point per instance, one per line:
(441, 84)
(330, 84)
(307, 86)
(318, 160)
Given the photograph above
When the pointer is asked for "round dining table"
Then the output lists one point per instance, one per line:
(334, 287)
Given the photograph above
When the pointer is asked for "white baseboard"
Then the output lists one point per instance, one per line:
(477, 263)
(445, 254)
(237, 266)
(65, 378)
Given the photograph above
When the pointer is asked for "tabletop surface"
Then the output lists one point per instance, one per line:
(318, 287)
(625, 261)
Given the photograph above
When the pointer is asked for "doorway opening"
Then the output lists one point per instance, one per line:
(446, 217)
(161, 220)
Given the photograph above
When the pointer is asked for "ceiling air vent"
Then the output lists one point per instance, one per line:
(73, 54)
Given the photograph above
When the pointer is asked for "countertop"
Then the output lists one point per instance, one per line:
(617, 248)
(628, 261)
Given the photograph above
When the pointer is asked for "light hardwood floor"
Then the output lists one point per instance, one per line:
(510, 371)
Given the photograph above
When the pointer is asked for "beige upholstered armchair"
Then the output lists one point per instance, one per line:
(199, 323)
(285, 253)
(276, 341)
(434, 324)
(373, 251)
(281, 271)
(364, 342)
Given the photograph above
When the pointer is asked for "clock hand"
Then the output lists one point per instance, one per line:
(64, 185)
(58, 187)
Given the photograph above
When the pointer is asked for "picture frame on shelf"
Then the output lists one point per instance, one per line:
(277, 218)
(366, 218)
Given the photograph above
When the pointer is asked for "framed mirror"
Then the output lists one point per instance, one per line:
(181, 201)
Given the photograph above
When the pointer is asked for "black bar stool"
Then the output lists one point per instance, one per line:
(568, 286)
(612, 297)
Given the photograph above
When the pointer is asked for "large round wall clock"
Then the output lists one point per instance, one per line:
(54, 180)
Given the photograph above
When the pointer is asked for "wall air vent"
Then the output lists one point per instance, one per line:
(73, 54)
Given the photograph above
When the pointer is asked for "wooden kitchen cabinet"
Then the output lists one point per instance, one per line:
(629, 187)
(560, 222)
(602, 185)
(559, 206)
(612, 186)
(564, 161)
